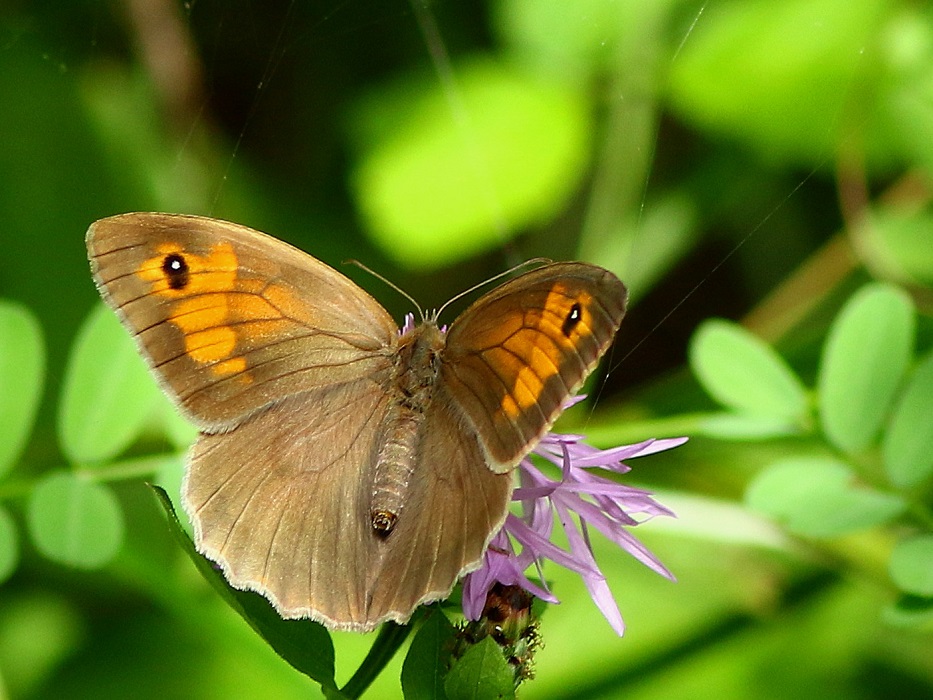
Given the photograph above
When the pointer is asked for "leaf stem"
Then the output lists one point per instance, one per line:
(124, 470)
(391, 636)
(115, 471)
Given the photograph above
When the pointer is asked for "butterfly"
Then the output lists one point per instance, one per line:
(346, 470)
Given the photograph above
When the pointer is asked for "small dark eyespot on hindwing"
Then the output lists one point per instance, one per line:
(573, 318)
(175, 268)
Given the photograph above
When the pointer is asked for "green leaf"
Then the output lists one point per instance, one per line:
(75, 521)
(22, 365)
(908, 442)
(744, 373)
(482, 673)
(434, 191)
(898, 239)
(304, 644)
(9, 545)
(169, 476)
(742, 427)
(107, 394)
(41, 629)
(572, 39)
(910, 612)
(863, 363)
(911, 565)
(180, 432)
(903, 96)
(741, 72)
(428, 658)
(819, 497)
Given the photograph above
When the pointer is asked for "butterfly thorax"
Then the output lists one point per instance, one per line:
(417, 363)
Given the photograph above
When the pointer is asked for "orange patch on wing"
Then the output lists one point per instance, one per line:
(214, 310)
(236, 365)
(211, 345)
(525, 392)
(542, 346)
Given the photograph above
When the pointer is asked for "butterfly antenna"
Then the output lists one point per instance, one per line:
(389, 284)
(506, 273)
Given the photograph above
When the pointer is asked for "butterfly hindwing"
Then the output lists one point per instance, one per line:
(282, 502)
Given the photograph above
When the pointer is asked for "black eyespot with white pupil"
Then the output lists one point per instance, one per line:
(574, 317)
(175, 268)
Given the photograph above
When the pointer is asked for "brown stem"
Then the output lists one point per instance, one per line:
(167, 50)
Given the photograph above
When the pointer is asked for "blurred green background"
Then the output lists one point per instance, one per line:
(744, 159)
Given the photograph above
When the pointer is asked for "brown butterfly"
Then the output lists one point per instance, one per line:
(347, 471)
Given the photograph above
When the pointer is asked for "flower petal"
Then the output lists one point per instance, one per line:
(595, 500)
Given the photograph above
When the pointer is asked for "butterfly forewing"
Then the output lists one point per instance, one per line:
(231, 319)
(515, 356)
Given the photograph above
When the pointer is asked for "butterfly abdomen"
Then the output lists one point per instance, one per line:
(416, 371)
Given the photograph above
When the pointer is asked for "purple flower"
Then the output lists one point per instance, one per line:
(595, 501)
